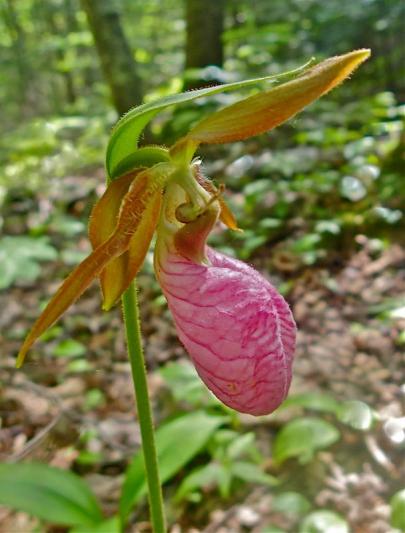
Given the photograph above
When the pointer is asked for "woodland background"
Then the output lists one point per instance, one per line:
(321, 203)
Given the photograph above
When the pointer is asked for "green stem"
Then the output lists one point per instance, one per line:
(136, 358)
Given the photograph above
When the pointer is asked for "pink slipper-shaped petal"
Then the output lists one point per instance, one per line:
(236, 327)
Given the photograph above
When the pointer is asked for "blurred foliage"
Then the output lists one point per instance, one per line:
(20, 257)
(398, 510)
(330, 174)
(219, 455)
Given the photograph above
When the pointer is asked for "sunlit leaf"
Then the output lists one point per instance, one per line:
(323, 521)
(356, 414)
(352, 188)
(302, 437)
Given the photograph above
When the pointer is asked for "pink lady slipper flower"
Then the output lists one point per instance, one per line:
(236, 327)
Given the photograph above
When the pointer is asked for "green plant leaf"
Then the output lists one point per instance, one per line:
(20, 258)
(67, 225)
(398, 510)
(356, 414)
(112, 525)
(125, 135)
(185, 385)
(291, 503)
(201, 478)
(302, 437)
(224, 481)
(252, 473)
(57, 496)
(241, 445)
(69, 348)
(323, 521)
(316, 401)
(177, 441)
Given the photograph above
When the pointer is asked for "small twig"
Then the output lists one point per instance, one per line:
(379, 456)
(40, 436)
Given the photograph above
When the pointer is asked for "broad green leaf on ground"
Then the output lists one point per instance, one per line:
(290, 503)
(356, 414)
(398, 510)
(324, 521)
(125, 135)
(57, 496)
(353, 412)
(316, 401)
(20, 258)
(112, 525)
(177, 441)
(302, 437)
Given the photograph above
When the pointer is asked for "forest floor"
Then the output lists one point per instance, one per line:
(345, 347)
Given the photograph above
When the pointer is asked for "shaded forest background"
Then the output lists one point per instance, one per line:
(321, 201)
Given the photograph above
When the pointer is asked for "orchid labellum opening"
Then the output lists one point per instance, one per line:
(236, 327)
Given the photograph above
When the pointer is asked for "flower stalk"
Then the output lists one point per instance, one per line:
(130, 310)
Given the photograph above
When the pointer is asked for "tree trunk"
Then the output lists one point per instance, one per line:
(205, 24)
(18, 39)
(62, 26)
(70, 27)
(116, 59)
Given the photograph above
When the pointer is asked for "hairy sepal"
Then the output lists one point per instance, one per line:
(266, 110)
